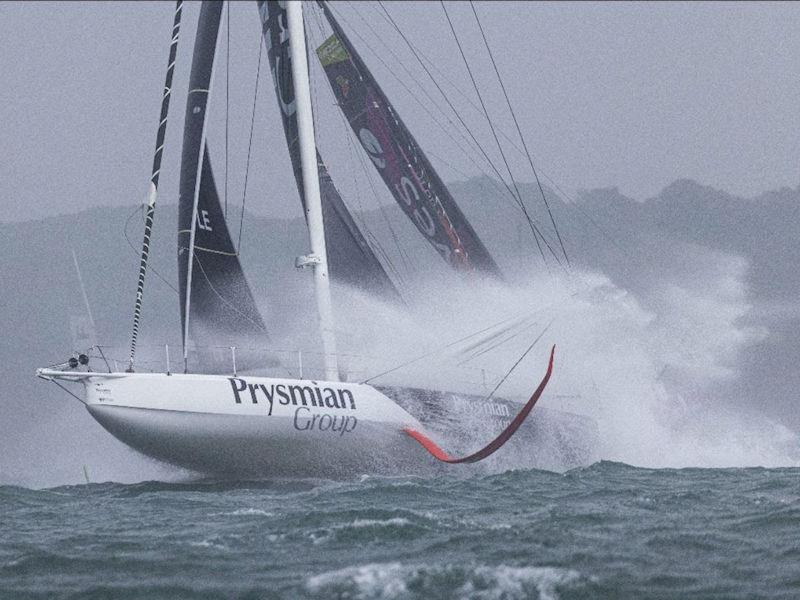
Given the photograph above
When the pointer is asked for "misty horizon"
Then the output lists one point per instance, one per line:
(627, 95)
(579, 196)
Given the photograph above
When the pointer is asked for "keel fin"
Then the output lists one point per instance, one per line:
(496, 443)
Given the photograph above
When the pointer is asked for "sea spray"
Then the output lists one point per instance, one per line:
(645, 365)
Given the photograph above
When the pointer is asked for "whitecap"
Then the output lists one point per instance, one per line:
(376, 580)
(516, 582)
(392, 522)
(485, 582)
(244, 512)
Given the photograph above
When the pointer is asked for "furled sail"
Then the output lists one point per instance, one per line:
(221, 308)
(350, 258)
(407, 172)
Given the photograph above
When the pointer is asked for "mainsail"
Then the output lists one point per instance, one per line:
(405, 169)
(221, 308)
(350, 257)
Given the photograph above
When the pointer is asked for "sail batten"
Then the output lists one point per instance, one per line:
(398, 158)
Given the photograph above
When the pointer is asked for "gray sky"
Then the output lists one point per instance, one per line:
(632, 95)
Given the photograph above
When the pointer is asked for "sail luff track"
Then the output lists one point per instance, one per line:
(156, 172)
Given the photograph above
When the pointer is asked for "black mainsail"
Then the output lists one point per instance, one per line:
(351, 260)
(221, 307)
(402, 164)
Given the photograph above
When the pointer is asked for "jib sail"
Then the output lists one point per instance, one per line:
(407, 172)
(350, 258)
(220, 306)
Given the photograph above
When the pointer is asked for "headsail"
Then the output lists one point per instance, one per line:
(405, 169)
(350, 257)
(221, 308)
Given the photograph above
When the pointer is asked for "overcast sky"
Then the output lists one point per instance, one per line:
(628, 95)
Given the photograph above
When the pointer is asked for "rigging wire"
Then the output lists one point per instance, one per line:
(67, 391)
(413, 49)
(136, 251)
(458, 115)
(250, 142)
(372, 240)
(473, 105)
(446, 99)
(532, 225)
(516, 364)
(419, 54)
(422, 105)
(227, 96)
(229, 304)
(439, 349)
(519, 130)
(493, 344)
(572, 202)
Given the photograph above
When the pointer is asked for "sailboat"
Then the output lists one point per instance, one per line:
(233, 420)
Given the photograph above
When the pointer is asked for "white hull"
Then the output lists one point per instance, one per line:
(306, 429)
(228, 444)
(268, 427)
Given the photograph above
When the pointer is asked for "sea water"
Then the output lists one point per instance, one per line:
(604, 531)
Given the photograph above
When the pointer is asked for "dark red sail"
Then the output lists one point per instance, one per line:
(405, 169)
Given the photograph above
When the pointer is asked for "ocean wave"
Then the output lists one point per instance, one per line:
(244, 512)
(406, 581)
(393, 522)
(369, 529)
(609, 530)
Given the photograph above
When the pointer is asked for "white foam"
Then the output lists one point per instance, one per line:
(377, 580)
(393, 580)
(392, 522)
(208, 544)
(249, 512)
(502, 582)
(644, 364)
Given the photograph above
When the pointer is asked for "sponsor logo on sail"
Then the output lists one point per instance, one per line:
(344, 86)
